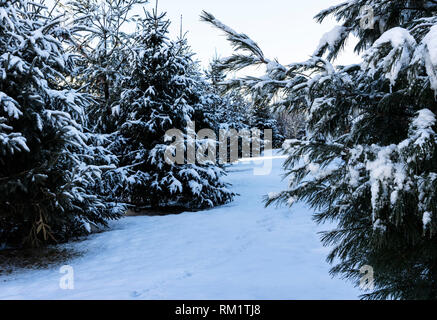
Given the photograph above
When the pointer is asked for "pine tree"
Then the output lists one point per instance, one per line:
(45, 181)
(235, 111)
(368, 160)
(230, 109)
(262, 118)
(104, 47)
(160, 95)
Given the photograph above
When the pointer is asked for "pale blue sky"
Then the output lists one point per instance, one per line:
(284, 29)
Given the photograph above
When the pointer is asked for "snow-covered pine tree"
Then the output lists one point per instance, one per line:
(369, 158)
(238, 110)
(160, 95)
(204, 113)
(235, 111)
(262, 118)
(230, 109)
(45, 181)
(291, 125)
(103, 44)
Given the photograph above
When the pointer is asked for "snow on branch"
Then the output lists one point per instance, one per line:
(239, 41)
(332, 42)
(428, 50)
(336, 10)
(401, 46)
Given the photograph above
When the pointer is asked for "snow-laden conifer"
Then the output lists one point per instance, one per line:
(368, 160)
(161, 94)
(46, 174)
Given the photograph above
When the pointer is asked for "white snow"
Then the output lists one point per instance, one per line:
(399, 57)
(423, 125)
(431, 42)
(425, 119)
(430, 56)
(237, 251)
(115, 110)
(426, 219)
(331, 39)
(384, 171)
(397, 37)
(10, 106)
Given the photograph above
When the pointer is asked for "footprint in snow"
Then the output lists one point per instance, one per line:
(135, 294)
(155, 288)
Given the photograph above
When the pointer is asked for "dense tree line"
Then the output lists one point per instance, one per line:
(84, 108)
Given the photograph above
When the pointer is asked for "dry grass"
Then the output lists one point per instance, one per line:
(12, 260)
(154, 212)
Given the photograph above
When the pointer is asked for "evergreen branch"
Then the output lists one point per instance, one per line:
(238, 40)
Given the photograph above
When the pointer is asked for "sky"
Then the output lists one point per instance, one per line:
(284, 29)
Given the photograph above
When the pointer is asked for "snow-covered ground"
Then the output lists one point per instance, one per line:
(237, 251)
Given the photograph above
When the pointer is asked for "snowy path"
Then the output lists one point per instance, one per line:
(238, 251)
